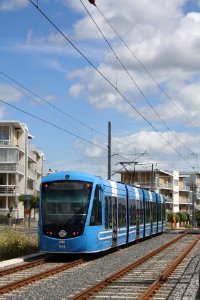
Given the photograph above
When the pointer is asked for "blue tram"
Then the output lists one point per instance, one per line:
(82, 213)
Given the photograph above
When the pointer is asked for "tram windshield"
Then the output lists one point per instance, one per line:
(65, 202)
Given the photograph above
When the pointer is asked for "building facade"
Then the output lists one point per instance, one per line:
(174, 186)
(21, 167)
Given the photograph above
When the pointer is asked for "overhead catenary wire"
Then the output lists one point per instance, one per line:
(52, 124)
(131, 77)
(57, 127)
(108, 81)
(146, 69)
(47, 102)
(51, 105)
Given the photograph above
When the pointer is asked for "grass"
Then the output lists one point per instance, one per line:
(15, 244)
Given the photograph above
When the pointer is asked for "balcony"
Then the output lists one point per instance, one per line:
(32, 174)
(32, 156)
(185, 201)
(184, 188)
(9, 143)
(168, 199)
(8, 190)
(198, 195)
(5, 143)
(11, 168)
(167, 186)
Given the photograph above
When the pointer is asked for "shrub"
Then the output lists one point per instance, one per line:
(197, 215)
(188, 217)
(179, 214)
(177, 217)
(14, 244)
(170, 217)
(3, 219)
(184, 217)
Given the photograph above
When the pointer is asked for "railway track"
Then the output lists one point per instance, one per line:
(146, 277)
(19, 276)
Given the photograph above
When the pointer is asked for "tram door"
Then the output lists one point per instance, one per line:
(114, 221)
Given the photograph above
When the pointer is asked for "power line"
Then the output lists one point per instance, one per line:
(50, 123)
(56, 126)
(53, 106)
(131, 77)
(106, 79)
(145, 68)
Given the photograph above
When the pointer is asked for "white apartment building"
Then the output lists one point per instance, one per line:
(21, 167)
(173, 185)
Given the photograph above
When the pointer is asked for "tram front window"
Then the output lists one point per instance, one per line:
(65, 204)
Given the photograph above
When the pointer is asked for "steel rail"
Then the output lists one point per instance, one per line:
(19, 283)
(22, 267)
(97, 287)
(163, 277)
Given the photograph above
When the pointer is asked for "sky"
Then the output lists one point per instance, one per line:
(68, 68)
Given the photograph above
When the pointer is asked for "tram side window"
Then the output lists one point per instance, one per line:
(132, 212)
(154, 212)
(121, 212)
(139, 209)
(159, 212)
(163, 211)
(108, 212)
(147, 204)
(96, 216)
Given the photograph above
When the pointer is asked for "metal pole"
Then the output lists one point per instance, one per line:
(193, 204)
(109, 150)
(152, 178)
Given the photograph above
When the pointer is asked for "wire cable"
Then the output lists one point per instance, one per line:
(106, 79)
(131, 77)
(145, 68)
(53, 106)
(50, 123)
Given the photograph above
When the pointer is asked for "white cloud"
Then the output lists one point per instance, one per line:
(9, 93)
(164, 40)
(76, 89)
(158, 149)
(8, 5)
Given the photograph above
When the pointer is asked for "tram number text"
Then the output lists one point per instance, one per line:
(61, 246)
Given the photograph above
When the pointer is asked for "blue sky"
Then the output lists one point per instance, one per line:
(151, 96)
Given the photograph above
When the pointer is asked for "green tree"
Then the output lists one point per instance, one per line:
(178, 217)
(197, 215)
(170, 217)
(34, 201)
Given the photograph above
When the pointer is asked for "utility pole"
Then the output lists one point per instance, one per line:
(109, 150)
(152, 178)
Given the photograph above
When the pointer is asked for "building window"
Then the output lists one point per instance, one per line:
(9, 155)
(175, 182)
(2, 202)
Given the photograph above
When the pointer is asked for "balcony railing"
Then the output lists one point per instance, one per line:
(12, 167)
(8, 190)
(32, 156)
(185, 201)
(4, 143)
(198, 195)
(167, 186)
(31, 174)
(184, 188)
(168, 199)
(10, 143)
